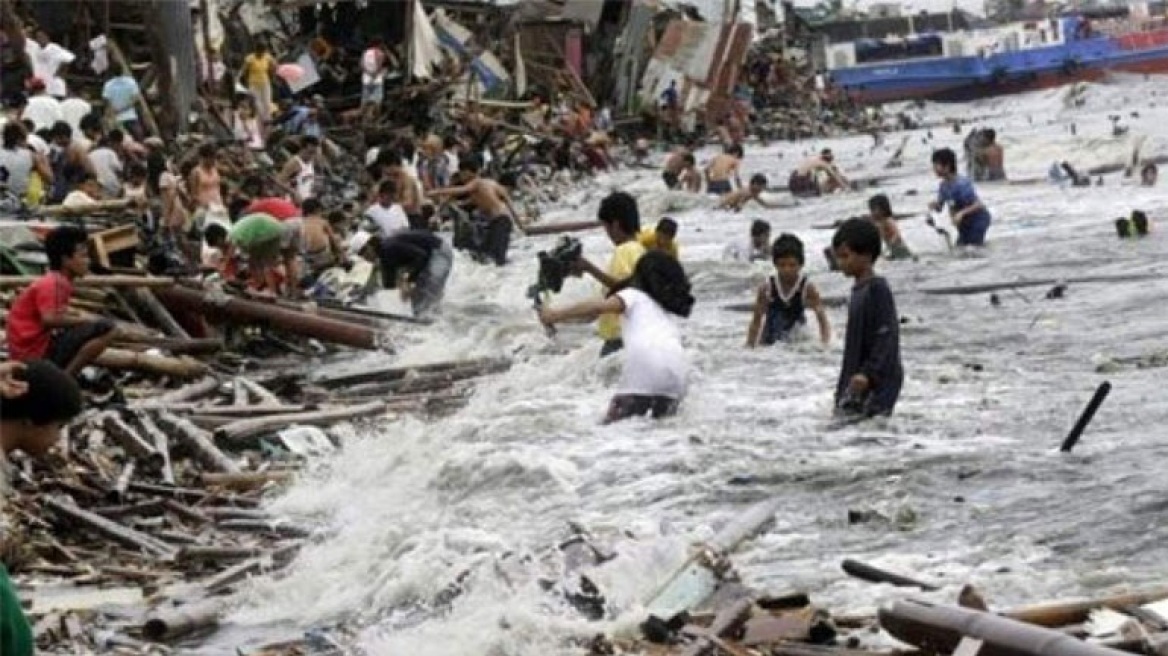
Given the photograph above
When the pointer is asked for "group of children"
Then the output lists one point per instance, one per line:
(871, 373)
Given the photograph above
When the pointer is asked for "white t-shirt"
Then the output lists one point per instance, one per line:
(73, 110)
(372, 67)
(107, 166)
(45, 63)
(38, 145)
(655, 361)
(43, 111)
(388, 219)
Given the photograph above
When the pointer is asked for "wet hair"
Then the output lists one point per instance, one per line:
(734, 149)
(29, 126)
(387, 187)
(860, 236)
(758, 180)
(989, 135)
(215, 235)
(946, 158)
(90, 123)
(759, 227)
(620, 208)
(469, 165)
(826, 154)
(62, 243)
(663, 279)
(336, 217)
(311, 206)
(13, 133)
(53, 396)
(667, 226)
(115, 136)
(449, 141)
(61, 129)
(787, 245)
(207, 150)
(688, 158)
(880, 203)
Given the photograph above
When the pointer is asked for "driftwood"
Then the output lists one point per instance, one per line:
(181, 367)
(561, 227)
(234, 310)
(161, 444)
(244, 481)
(13, 282)
(170, 623)
(348, 310)
(728, 621)
(1065, 613)
(965, 290)
(134, 444)
(940, 629)
(248, 428)
(258, 392)
(217, 554)
(148, 301)
(866, 572)
(236, 412)
(189, 392)
(199, 442)
(469, 368)
(124, 535)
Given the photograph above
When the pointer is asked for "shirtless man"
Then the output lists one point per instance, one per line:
(736, 200)
(320, 246)
(299, 172)
(409, 193)
(493, 210)
(805, 181)
(991, 157)
(721, 168)
(680, 171)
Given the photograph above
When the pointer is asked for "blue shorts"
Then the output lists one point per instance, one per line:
(718, 187)
(973, 233)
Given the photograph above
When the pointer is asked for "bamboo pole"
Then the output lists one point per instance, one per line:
(244, 429)
(199, 442)
(189, 392)
(481, 366)
(1064, 613)
(134, 444)
(14, 282)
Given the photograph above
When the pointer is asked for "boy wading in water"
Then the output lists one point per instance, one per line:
(784, 299)
(880, 211)
(653, 378)
(871, 375)
(966, 210)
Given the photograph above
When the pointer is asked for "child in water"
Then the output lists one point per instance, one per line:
(784, 298)
(653, 379)
(736, 200)
(871, 375)
(880, 211)
(969, 214)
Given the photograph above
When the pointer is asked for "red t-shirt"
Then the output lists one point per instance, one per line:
(28, 338)
(277, 208)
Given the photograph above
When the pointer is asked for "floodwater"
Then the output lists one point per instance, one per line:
(963, 485)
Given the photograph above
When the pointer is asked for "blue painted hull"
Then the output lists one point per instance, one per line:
(967, 78)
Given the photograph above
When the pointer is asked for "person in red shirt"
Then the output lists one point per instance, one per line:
(280, 209)
(41, 324)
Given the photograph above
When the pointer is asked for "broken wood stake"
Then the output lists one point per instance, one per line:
(157, 311)
(1072, 438)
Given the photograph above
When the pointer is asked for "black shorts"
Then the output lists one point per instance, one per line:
(802, 185)
(671, 179)
(65, 345)
(624, 406)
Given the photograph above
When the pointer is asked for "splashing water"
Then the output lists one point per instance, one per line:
(962, 485)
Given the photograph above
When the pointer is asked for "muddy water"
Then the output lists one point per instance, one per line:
(964, 484)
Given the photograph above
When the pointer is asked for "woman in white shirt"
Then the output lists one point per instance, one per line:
(653, 379)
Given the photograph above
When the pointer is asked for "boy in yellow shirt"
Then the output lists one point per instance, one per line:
(661, 238)
(622, 221)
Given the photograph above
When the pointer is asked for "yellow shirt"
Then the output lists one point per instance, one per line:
(257, 70)
(648, 239)
(624, 261)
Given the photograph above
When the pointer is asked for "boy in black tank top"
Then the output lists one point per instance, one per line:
(782, 302)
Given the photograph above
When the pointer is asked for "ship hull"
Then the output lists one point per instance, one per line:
(960, 79)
